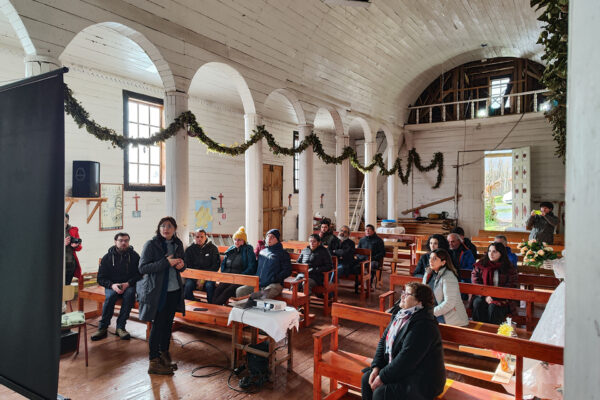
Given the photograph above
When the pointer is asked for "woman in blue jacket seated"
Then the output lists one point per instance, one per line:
(318, 259)
(409, 361)
(434, 242)
(239, 259)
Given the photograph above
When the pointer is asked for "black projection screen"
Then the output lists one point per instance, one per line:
(31, 252)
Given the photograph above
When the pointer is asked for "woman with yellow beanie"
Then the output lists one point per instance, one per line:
(239, 259)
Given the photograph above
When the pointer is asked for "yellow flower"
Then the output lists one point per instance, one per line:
(505, 329)
(541, 252)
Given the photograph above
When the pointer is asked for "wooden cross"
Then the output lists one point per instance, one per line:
(136, 197)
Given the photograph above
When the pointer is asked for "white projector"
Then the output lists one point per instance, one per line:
(270, 305)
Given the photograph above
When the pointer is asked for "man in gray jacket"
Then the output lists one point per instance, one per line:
(542, 225)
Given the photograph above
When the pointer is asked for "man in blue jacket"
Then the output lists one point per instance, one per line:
(462, 257)
(511, 256)
(274, 266)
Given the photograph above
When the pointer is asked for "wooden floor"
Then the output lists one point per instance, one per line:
(118, 369)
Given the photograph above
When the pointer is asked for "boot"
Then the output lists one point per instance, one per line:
(100, 334)
(123, 334)
(156, 367)
(165, 359)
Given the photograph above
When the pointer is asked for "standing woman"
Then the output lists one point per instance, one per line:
(494, 269)
(409, 361)
(160, 292)
(442, 278)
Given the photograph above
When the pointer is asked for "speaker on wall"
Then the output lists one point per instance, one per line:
(86, 179)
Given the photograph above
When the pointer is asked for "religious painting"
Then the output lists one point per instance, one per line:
(203, 215)
(111, 210)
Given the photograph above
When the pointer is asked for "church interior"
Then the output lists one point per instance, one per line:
(410, 117)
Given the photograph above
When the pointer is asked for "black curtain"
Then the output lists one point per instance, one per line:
(31, 249)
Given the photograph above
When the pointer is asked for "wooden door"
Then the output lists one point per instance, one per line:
(272, 197)
(521, 195)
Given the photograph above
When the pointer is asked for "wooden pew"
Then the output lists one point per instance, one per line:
(327, 287)
(559, 239)
(528, 296)
(296, 298)
(344, 368)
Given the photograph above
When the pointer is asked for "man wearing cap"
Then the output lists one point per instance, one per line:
(542, 225)
(273, 267)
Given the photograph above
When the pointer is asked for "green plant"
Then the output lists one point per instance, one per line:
(554, 38)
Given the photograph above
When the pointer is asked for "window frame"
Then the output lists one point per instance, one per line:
(296, 161)
(127, 95)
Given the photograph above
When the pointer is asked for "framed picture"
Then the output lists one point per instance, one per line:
(111, 210)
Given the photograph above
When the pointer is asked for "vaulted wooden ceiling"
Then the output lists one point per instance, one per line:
(377, 59)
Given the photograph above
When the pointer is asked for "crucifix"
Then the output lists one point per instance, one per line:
(137, 213)
(220, 209)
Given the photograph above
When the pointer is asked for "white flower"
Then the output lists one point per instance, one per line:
(530, 252)
(548, 248)
(541, 252)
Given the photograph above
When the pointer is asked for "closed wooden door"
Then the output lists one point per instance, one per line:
(272, 197)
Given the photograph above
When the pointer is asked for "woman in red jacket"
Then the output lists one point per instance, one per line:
(494, 269)
(72, 245)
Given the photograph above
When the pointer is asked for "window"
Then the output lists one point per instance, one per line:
(144, 165)
(498, 190)
(296, 162)
(498, 89)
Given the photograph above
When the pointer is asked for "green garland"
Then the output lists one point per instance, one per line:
(187, 121)
(554, 37)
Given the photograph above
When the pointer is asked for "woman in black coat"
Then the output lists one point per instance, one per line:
(409, 361)
(435, 241)
(160, 292)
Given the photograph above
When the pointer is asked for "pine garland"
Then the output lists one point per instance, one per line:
(187, 121)
(554, 39)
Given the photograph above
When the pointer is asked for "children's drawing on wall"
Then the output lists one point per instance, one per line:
(204, 215)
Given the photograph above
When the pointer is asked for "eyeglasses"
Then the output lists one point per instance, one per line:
(405, 294)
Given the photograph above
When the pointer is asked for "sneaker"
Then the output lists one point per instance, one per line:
(100, 334)
(156, 367)
(123, 334)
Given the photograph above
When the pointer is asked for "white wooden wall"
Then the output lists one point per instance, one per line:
(547, 172)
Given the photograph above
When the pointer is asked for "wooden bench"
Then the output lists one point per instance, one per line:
(329, 285)
(559, 239)
(528, 296)
(299, 299)
(344, 368)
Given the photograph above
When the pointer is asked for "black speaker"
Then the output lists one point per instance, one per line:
(86, 179)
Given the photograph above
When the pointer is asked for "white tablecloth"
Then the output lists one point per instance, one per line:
(399, 230)
(273, 323)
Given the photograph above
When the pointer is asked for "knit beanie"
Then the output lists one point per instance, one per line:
(276, 233)
(241, 234)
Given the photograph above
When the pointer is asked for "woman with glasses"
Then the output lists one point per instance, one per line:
(442, 278)
(160, 292)
(409, 361)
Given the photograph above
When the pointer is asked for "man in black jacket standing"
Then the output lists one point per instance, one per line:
(203, 254)
(375, 244)
(118, 273)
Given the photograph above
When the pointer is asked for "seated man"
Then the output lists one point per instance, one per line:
(273, 267)
(512, 257)
(462, 258)
(318, 259)
(345, 253)
(328, 239)
(375, 244)
(203, 254)
(466, 241)
(118, 273)
(542, 225)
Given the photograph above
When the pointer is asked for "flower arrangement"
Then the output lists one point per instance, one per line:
(535, 252)
(506, 329)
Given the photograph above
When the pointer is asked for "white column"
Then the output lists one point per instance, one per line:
(370, 186)
(582, 324)
(254, 182)
(305, 186)
(177, 169)
(37, 65)
(342, 184)
(392, 182)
